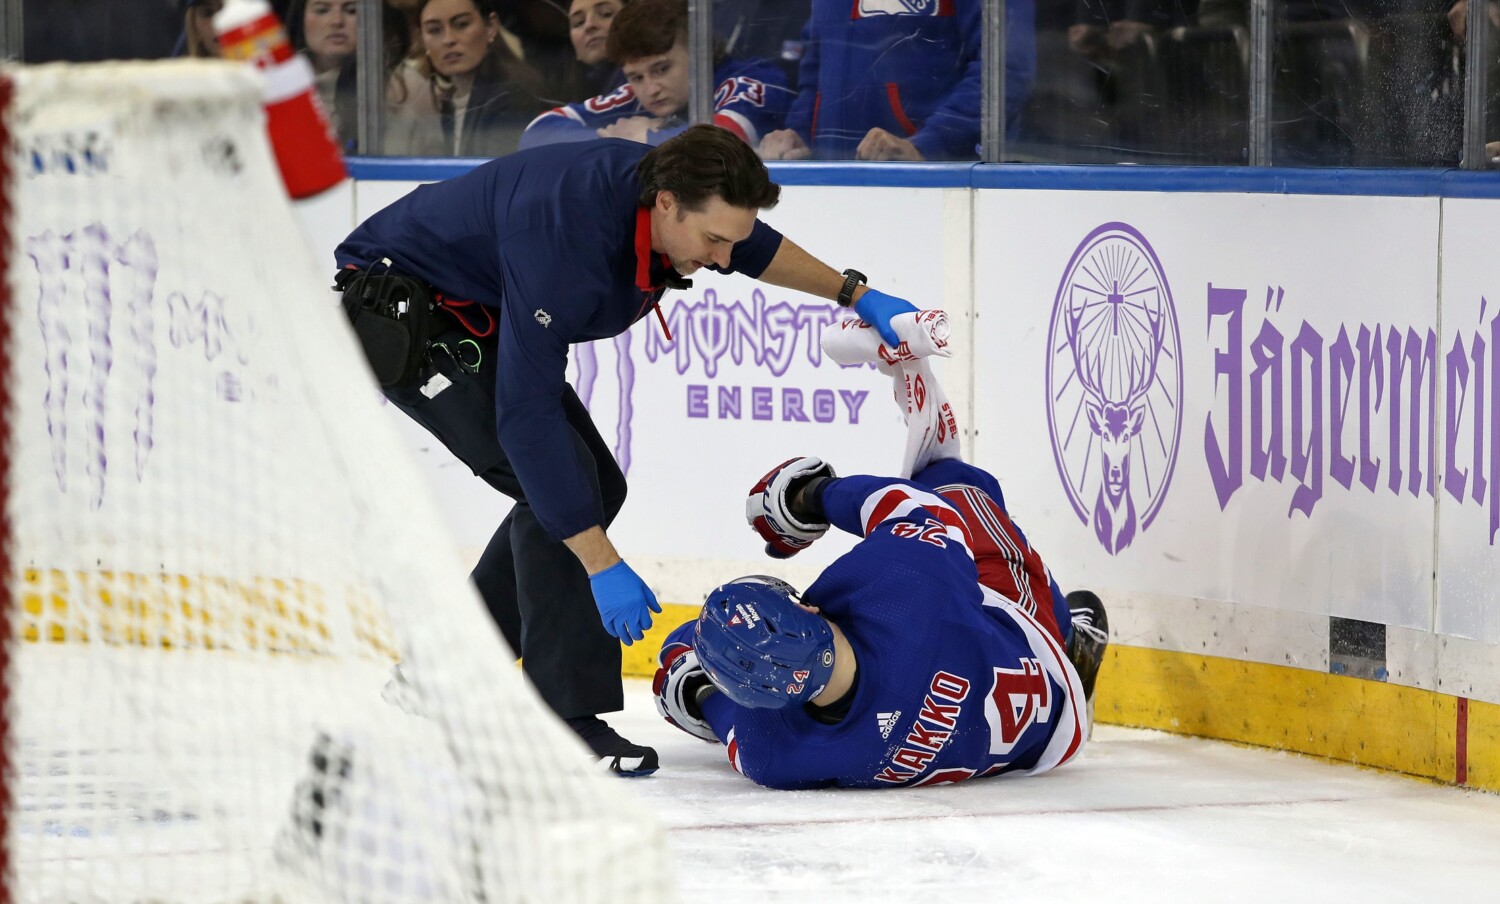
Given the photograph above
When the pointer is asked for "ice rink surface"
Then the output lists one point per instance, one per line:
(1142, 816)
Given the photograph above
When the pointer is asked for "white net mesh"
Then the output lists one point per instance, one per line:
(220, 548)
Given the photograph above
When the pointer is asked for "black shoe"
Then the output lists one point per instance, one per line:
(613, 752)
(1089, 639)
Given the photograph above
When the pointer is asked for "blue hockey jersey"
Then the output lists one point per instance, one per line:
(556, 243)
(954, 680)
(911, 67)
(751, 100)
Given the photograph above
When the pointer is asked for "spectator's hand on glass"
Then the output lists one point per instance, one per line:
(631, 128)
(1458, 17)
(1086, 39)
(882, 145)
(784, 144)
(1492, 151)
(1124, 33)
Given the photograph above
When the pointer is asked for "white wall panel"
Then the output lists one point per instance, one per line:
(1275, 529)
(1469, 480)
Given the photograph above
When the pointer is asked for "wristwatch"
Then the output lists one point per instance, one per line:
(852, 278)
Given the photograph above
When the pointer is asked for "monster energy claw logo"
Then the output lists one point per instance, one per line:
(1114, 383)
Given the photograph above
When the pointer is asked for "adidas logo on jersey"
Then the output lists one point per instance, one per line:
(887, 722)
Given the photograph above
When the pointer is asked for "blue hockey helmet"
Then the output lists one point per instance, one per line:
(759, 648)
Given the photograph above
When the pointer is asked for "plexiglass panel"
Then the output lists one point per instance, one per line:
(1364, 83)
(1490, 127)
(758, 53)
(1137, 81)
(634, 62)
(1371, 83)
(83, 31)
(890, 80)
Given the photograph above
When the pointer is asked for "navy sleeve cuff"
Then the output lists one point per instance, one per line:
(752, 256)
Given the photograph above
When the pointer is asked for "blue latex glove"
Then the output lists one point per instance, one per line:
(877, 309)
(623, 599)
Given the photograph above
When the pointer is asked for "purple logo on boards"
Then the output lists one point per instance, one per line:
(1114, 383)
(709, 334)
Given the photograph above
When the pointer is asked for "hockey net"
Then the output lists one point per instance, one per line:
(217, 548)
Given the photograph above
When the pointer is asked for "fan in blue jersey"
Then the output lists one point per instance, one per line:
(939, 649)
(649, 39)
(900, 80)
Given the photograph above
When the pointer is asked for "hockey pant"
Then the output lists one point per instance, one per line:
(1007, 563)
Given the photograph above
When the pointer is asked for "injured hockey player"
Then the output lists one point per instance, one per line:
(938, 649)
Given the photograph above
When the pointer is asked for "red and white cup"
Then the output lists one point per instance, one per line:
(307, 151)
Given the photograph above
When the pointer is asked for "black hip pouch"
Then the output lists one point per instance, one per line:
(395, 318)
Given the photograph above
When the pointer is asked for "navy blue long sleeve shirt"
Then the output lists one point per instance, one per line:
(554, 241)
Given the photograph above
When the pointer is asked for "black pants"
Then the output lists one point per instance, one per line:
(535, 588)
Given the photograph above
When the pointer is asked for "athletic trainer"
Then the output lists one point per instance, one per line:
(522, 257)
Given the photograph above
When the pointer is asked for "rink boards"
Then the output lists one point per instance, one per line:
(1257, 411)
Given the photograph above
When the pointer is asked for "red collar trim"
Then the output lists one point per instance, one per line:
(643, 252)
(643, 263)
(643, 249)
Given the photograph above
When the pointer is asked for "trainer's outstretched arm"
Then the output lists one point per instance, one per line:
(793, 268)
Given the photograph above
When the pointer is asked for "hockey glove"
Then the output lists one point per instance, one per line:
(877, 309)
(623, 600)
(679, 684)
(768, 507)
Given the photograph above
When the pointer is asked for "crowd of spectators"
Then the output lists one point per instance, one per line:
(1355, 82)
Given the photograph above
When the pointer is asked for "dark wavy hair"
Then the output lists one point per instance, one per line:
(500, 66)
(704, 162)
(647, 28)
